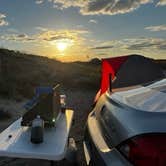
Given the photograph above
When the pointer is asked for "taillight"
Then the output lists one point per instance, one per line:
(145, 150)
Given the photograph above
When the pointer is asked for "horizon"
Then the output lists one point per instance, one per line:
(88, 60)
(78, 30)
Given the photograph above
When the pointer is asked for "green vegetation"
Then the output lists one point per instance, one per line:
(21, 73)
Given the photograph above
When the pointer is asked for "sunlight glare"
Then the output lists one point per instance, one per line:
(61, 46)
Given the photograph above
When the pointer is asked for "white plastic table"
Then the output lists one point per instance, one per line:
(53, 147)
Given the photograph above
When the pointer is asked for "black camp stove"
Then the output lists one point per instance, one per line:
(45, 104)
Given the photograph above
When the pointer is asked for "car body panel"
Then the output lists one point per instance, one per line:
(151, 98)
(116, 119)
(110, 156)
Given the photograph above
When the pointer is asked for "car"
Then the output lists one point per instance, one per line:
(127, 126)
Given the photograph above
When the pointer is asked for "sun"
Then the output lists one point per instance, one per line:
(61, 46)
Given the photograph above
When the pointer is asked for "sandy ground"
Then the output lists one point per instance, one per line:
(79, 101)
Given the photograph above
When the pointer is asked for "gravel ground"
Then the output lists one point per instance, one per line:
(79, 101)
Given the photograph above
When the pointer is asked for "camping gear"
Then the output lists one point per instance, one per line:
(42, 132)
(37, 130)
(127, 71)
(54, 146)
(63, 102)
(45, 103)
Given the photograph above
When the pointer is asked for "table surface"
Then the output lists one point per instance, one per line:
(53, 147)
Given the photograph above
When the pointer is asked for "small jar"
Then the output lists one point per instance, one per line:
(37, 131)
(63, 103)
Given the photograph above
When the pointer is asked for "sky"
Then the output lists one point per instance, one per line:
(71, 30)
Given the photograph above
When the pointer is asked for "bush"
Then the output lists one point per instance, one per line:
(4, 114)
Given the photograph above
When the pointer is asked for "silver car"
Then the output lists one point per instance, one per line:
(127, 127)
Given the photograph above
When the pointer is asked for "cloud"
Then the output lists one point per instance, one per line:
(102, 47)
(3, 22)
(107, 7)
(52, 35)
(104, 7)
(48, 36)
(156, 28)
(41, 28)
(140, 46)
(161, 3)
(134, 44)
(147, 43)
(17, 37)
(39, 1)
(93, 21)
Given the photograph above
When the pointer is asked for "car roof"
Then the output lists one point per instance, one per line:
(150, 97)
